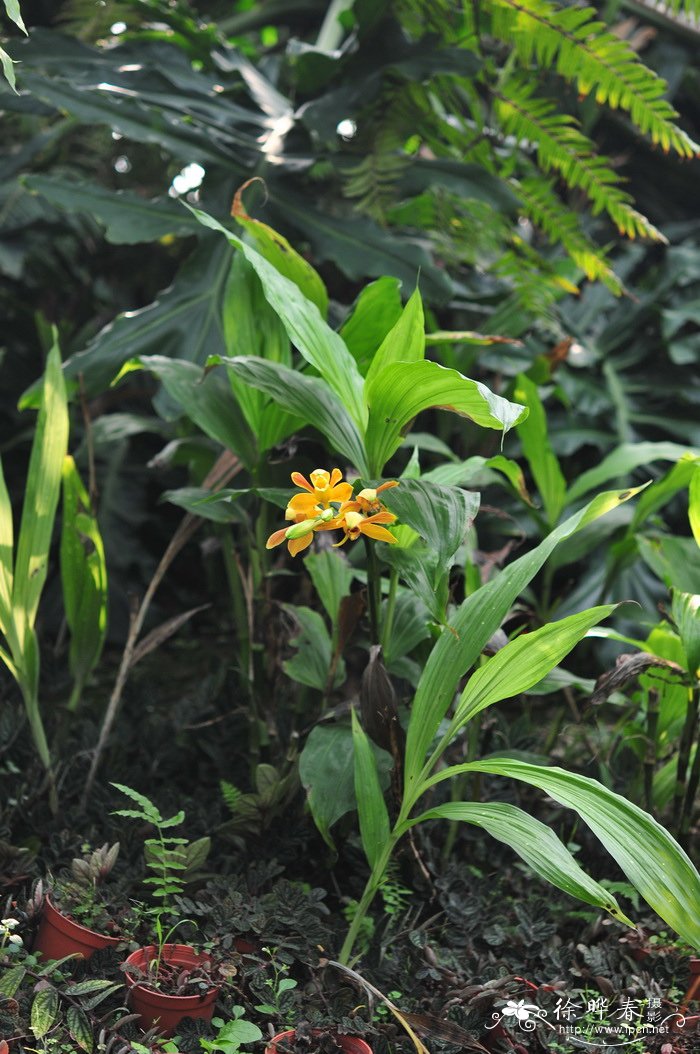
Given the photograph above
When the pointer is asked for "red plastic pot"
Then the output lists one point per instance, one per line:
(158, 1008)
(348, 1044)
(60, 935)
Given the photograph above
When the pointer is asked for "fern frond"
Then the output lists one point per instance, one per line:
(582, 49)
(372, 181)
(562, 148)
(543, 206)
(231, 795)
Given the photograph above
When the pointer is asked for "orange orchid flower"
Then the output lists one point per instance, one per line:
(324, 488)
(355, 524)
(300, 535)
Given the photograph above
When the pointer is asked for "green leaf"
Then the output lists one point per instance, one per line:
(284, 258)
(673, 559)
(41, 496)
(128, 218)
(371, 807)
(150, 811)
(476, 621)
(623, 460)
(14, 13)
(694, 503)
(399, 392)
(374, 313)
(206, 399)
(83, 576)
(8, 68)
(44, 1012)
(326, 770)
(524, 662)
(652, 860)
(184, 322)
(307, 398)
(536, 843)
(11, 979)
(312, 663)
(405, 342)
(251, 327)
(201, 502)
(6, 555)
(87, 987)
(80, 1028)
(676, 479)
(321, 346)
(542, 460)
(440, 515)
(686, 614)
(331, 575)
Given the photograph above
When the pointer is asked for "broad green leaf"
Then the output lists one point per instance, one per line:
(686, 614)
(623, 460)
(440, 515)
(219, 507)
(543, 462)
(311, 665)
(420, 568)
(283, 257)
(11, 979)
(307, 398)
(374, 313)
(673, 559)
(251, 327)
(664, 489)
(320, 345)
(127, 217)
(184, 322)
(405, 342)
(694, 503)
(331, 575)
(536, 843)
(513, 473)
(652, 860)
(524, 662)
(371, 807)
(80, 1028)
(326, 770)
(6, 555)
(83, 576)
(206, 399)
(408, 628)
(476, 621)
(399, 392)
(44, 1012)
(41, 496)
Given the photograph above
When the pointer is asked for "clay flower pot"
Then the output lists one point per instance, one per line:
(348, 1044)
(60, 935)
(158, 1008)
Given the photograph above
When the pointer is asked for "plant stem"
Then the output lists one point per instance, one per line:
(390, 609)
(373, 883)
(650, 758)
(687, 736)
(332, 31)
(373, 582)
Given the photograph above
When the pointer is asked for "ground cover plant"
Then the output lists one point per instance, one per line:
(349, 528)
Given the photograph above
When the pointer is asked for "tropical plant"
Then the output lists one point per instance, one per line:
(24, 567)
(655, 864)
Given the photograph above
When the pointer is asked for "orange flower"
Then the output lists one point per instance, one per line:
(324, 488)
(299, 536)
(355, 524)
(367, 501)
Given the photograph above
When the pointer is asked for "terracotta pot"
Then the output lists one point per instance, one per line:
(60, 935)
(158, 1008)
(348, 1044)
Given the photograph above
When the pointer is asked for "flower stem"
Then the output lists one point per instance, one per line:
(390, 609)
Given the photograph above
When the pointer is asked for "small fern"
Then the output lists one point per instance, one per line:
(231, 795)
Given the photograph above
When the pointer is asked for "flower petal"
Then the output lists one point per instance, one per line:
(380, 533)
(297, 545)
(389, 483)
(276, 539)
(382, 517)
(301, 481)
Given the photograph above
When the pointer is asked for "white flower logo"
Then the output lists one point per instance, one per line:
(521, 1010)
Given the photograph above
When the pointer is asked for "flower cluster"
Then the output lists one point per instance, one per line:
(6, 934)
(326, 504)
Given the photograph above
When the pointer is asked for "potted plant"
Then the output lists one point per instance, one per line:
(304, 1040)
(167, 982)
(78, 917)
